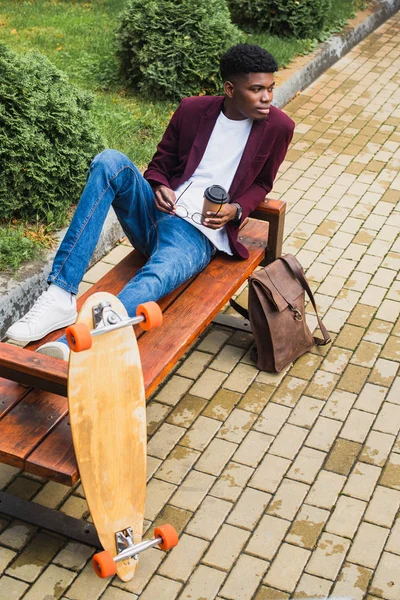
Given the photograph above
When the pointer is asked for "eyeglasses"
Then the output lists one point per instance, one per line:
(182, 212)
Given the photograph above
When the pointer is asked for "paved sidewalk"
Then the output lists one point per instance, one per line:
(287, 486)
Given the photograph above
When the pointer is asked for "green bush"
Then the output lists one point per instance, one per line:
(171, 48)
(46, 139)
(298, 18)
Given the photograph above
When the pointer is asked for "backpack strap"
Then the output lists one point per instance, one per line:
(296, 269)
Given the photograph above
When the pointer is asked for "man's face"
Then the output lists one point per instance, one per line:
(250, 96)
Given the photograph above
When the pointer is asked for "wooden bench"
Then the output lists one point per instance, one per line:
(34, 428)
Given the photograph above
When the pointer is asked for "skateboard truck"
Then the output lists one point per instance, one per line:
(105, 565)
(106, 319)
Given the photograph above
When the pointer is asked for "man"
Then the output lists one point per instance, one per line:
(237, 141)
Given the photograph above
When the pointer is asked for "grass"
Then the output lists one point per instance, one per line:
(78, 36)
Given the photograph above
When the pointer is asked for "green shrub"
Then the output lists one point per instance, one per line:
(299, 18)
(171, 48)
(46, 139)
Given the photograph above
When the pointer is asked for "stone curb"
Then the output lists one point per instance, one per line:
(18, 295)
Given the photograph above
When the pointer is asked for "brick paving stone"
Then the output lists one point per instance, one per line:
(287, 499)
(177, 465)
(74, 556)
(155, 413)
(386, 581)
(353, 580)
(226, 547)
(182, 559)
(192, 491)
(113, 593)
(214, 341)
(34, 557)
(353, 378)
(253, 448)
(384, 372)
(336, 360)
(232, 481)
(287, 567)
(164, 440)
(186, 411)
(51, 584)
(158, 493)
(307, 526)
(357, 425)
(346, 517)
(52, 494)
(267, 537)
(216, 456)
(237, 425)
(227, 358)
(305, 366)
(174, 389)
(288, 441)
(194, 364)
(17, 534)
(338, 405)
(12, 589)
(307, 465)
(383, 507)
(342, 456)
(289, 391)
(393, 543)
(328, 557)
(160, 587)
(306, 412)
(377, 448)
(204, 583)
(326, 489)
(209, 517)
(391, 472)
(6, 556)
(200, 433)
(267, 593)
(270, 473)
(256, 397)
(368, 545)
(272, 418)
(249, 508)
(310, 586)
(208, 384)
(244, 578)
(391, 349)
(324, 433)
(349, 337)
(241, 378)
(221, 405)
(394, 393)
(388, 420)
(371, 398)
(362, 481)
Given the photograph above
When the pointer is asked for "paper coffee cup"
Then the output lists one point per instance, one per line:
(215, 197)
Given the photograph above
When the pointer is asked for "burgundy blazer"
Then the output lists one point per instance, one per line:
(185, 140)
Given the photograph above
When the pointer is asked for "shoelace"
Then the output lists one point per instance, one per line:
(42, 303)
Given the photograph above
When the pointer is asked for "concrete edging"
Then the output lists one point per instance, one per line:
(18, 295)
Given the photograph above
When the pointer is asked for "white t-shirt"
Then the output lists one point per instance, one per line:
(217, 167)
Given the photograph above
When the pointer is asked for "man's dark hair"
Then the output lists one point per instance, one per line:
(246, 58)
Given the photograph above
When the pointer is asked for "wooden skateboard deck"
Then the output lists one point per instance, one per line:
(108, 422)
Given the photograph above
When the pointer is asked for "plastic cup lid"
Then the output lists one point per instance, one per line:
(216, 193)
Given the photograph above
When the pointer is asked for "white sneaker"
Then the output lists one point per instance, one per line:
(55, 349)
(47, 314)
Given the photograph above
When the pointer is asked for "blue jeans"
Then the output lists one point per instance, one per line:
(175, 249)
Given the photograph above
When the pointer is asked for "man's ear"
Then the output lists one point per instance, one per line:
(229, 88)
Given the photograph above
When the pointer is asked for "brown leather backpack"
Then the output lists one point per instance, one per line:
(277, 316)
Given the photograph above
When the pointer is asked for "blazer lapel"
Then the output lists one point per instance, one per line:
(203, 134)
(257, 135)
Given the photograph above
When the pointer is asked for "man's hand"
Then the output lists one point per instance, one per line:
(164, 199)
(217, 220)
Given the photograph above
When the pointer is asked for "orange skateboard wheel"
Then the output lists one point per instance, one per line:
(103, 564)
(168, 535)
(152, 315)
(79, 337)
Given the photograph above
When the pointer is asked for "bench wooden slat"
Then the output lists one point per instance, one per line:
(25, 425)
(10, 394)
